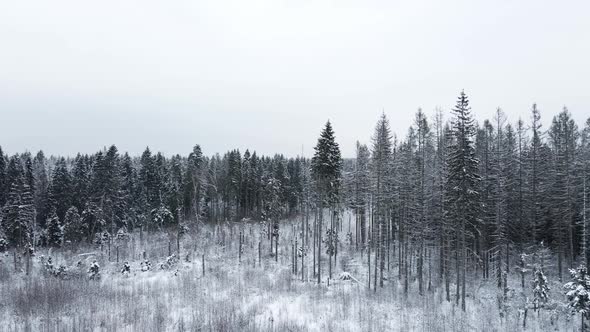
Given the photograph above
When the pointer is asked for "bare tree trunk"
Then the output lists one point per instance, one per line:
(382, 251)
(447, 271)
(315, 231)
(320, 242)
(203, 264)
(277, 248)
(406, 270)
(376, 265)
(421, 268)
(369, 262)
(331, 245)
(464, 262)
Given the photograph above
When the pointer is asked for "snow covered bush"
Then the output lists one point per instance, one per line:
(47, 264)
(49, 269)
(169, 263)
(3, 241)
(540, 288)
(578, 292)
(126, 270)
(345, 276)
(122, 235)
(61, 272)
(101, 238)
(302, 251)
(330, 241)
(146, 265)
(94, 271)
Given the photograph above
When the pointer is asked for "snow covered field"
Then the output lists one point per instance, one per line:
(243, 294)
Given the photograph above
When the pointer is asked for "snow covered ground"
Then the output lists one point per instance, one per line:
(242, 294)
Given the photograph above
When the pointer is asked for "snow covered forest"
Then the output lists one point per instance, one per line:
(459, 224)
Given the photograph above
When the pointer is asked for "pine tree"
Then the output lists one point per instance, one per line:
(361, 184)
(55, 233)
(563, 136)
(272, 209)
(3, 178)
(381, 163)
(326, 167)
(194, 184)
(41, 188)
(175, 187)
(584, 171)
(128, 194)
(18, 213)
(80, 181)
(148, 182)
(463, 184)
(578, 292)
(535, 174)
(73, 231)
(423, 161)
(540, 288)
(60, 189)
(438, 194)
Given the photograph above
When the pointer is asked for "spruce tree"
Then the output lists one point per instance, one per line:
(578, 292)
(18, 214)
(60, 194)
(41, 188)
(380, 163)
(361, 185)
(326, 167)
(55, 233)
(3, 178)
(563, 136)
(463, 184)
(73, 231)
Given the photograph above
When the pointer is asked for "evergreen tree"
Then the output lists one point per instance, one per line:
(60, 189)
(381, 162)
(463, 184)
(73, 231)
(55, 233)
(563, 137)
(540, 288)
(81, 178)
(18, 214)
(361, 184)
(194, 184)
(578, 292)
(41, 188)
(326, 167)
(3, 178)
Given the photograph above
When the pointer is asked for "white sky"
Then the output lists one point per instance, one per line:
(78, 75)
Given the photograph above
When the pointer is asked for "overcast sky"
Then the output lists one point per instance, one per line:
(266, 75)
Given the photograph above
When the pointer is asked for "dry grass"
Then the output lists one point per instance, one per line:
(235, 297)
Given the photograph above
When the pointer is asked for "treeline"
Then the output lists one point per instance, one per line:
(456, 198)
(57, 201)
(452, 198)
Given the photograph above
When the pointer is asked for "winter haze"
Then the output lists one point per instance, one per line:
(170, 166)
(76, 76)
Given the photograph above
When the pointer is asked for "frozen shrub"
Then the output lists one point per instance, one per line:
(578, 292)
(169, 263)
(94, 271)
(126, 270)
(3, 241)
(61, 272)
(540, 288)
(47, 264)
(345, 276)
(146, 265)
